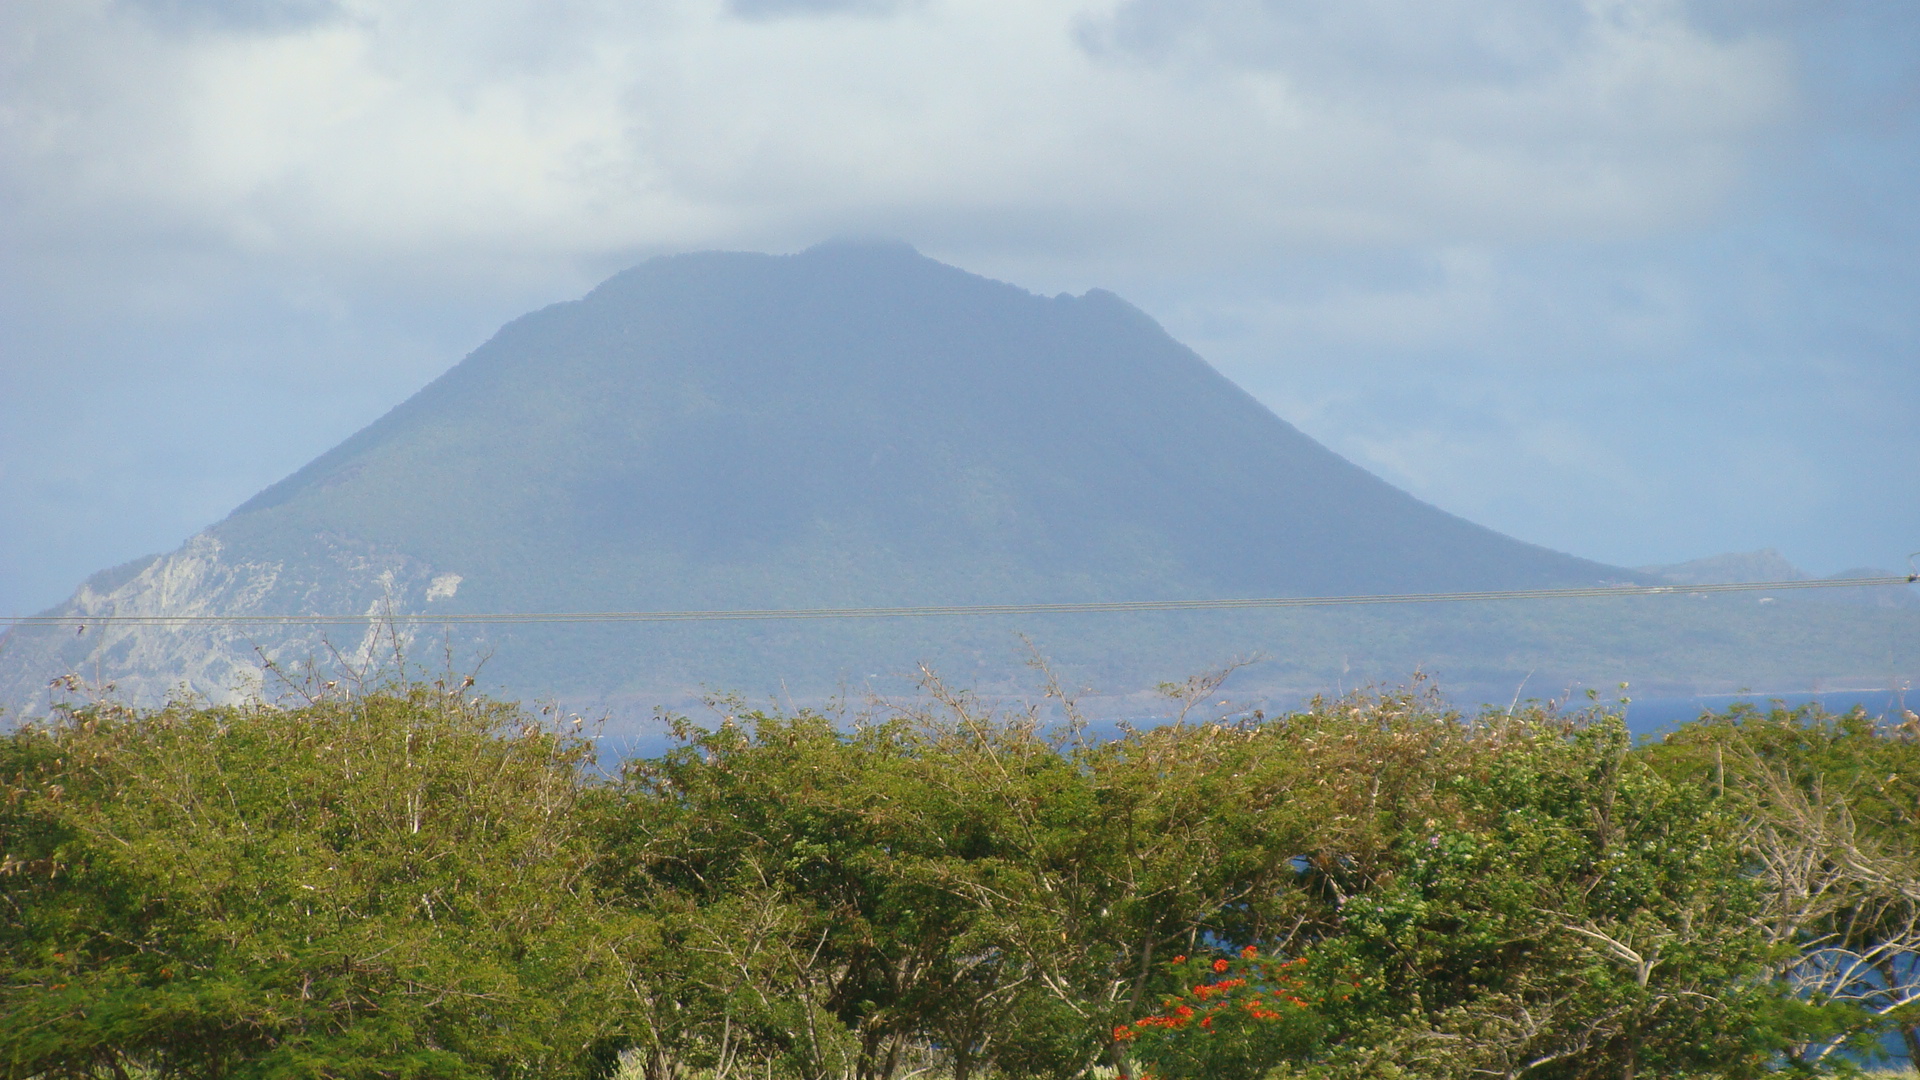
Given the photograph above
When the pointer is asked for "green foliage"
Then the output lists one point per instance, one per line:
(1565, 906)
(1515, 895)
(423, 884)
(382, 886)
(1828, 810)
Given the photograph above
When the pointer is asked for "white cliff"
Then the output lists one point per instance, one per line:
(144, 663)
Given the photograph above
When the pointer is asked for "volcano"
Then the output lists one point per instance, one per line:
(854, 425)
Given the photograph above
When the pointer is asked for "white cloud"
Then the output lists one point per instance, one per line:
(1150, 127)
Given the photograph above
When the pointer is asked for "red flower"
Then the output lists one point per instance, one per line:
(1179, 959)
(1220, 965)
(1249, 952)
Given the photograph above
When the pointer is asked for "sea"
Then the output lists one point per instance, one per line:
(1651, 717)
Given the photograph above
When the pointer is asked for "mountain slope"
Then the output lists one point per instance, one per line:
(853, 425)
(864, 425)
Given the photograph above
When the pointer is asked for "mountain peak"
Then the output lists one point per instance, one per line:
(852, 425)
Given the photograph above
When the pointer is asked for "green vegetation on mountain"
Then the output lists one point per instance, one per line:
(862, 425)
(418, 882)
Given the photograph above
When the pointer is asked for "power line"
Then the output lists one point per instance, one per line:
(924, 611)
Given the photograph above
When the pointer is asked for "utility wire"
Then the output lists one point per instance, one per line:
(1082, 607)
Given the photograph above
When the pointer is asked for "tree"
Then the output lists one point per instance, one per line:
(1829, 812)
(381, 885)
(1520, 894)
(797, 870)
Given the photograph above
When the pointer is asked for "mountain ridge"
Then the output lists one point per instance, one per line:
(927, 392)
(853, 425)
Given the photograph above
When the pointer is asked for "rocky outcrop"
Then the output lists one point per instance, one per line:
(218, 661)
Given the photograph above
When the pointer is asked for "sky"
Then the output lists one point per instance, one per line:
(1638, 280)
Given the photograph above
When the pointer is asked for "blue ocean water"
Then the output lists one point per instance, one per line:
(1647, 717)
(1657, 715)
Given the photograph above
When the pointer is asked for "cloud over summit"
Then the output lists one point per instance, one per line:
(510, 125)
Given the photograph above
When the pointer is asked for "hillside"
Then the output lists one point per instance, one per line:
(854, 425)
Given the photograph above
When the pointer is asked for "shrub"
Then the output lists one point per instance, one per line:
(390, 885)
